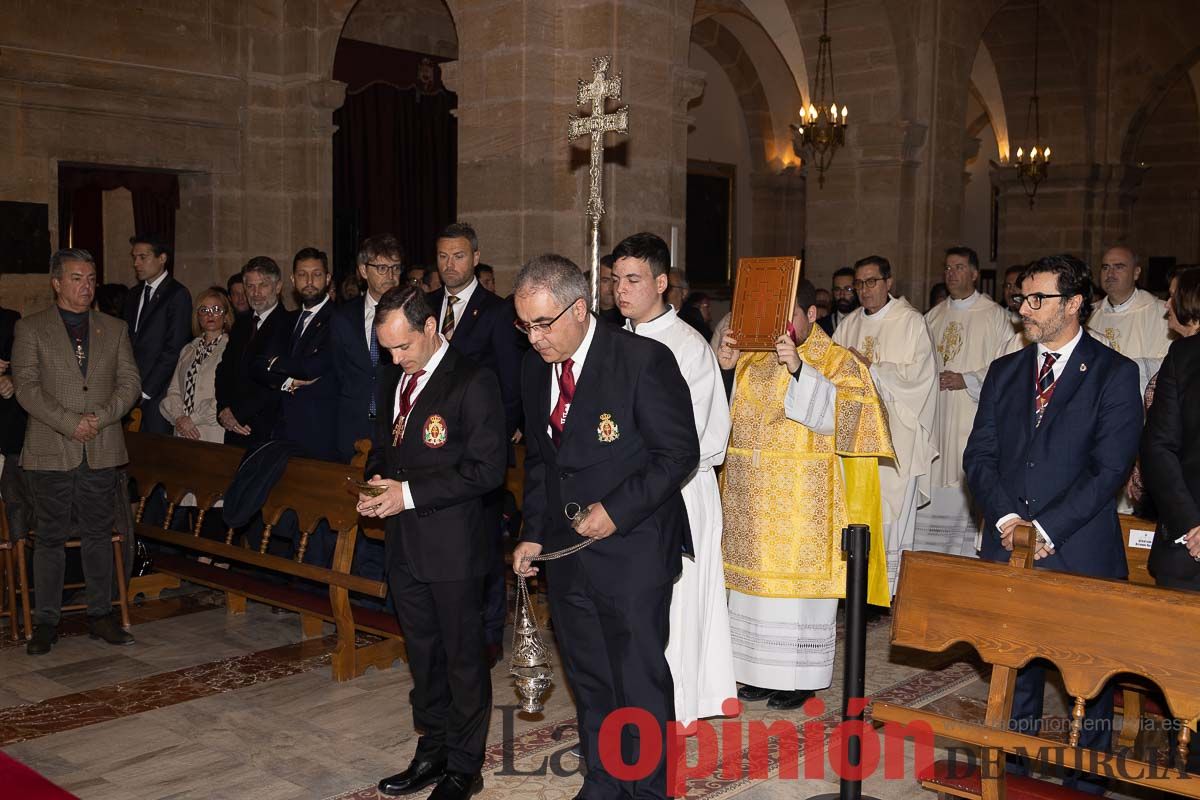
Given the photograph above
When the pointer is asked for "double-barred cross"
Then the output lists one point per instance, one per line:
(600, 89)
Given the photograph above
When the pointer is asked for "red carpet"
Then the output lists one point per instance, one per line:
(18, 780)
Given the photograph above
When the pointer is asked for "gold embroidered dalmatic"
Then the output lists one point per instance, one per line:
(787, 492)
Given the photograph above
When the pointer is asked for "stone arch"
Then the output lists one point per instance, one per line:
(984, 84)
(1181, 71)
(336, 14)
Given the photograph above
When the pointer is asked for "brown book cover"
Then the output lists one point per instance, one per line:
(763, 298)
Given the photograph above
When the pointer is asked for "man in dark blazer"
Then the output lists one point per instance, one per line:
(1171, 467)
(158, 311)
(303, 369)
(355, 350)
(1053, 442)
(479, 325)
(17, 505)
(607, 452)
(246, 407)
(438, 448)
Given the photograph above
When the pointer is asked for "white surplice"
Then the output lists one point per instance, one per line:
(967, 335)
(904, 368)
(1136, 329)
(786, 643)
(698, 649)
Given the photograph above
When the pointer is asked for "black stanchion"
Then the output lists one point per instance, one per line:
(856, 544)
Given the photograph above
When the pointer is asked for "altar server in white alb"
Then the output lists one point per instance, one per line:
(698, 650)
(968, 331)
(890, 335)
(1130, 320)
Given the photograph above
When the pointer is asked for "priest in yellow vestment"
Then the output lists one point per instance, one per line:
(808, 430)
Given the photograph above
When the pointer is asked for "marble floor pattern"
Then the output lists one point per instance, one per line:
(208, 706)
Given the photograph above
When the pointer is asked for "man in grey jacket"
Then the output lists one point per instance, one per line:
(75, 375)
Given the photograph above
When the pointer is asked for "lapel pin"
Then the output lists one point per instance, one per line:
(607, 431)
(1083, 367)
(475, 313)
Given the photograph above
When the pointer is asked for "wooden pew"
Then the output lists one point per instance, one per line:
(1012, 614)
(314, 490)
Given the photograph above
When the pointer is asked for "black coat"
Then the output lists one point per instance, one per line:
(12, 416)
(307, 416)
(355, 375)
(443, 538)
(253, 402)
(637, 475)
(165, 328)
(1171, 460)
(484, 332)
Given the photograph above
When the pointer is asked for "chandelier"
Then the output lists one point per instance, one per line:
(1032, 167)
(821, 130)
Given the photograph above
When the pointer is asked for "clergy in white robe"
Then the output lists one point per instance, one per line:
(698, 647)
(968, 331)
(808, 429)
(1130, 320)
(890, 335)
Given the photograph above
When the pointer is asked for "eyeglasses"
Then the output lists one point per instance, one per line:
(846, 290)
(215, 311)
(1034, 300)
(1008, 286)
(956, 267)
(867, 283)
(529, 329)
(384, 270)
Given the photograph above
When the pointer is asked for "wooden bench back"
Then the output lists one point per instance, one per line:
(181, 466)
(1137, 557)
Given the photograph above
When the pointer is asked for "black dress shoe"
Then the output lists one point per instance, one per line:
(108, 629)
(418, 775)
(752, 693)
(457, 786)
(786, 701)
(44, 637)
(492, 653)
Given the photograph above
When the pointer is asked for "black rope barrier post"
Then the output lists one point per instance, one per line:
(856, 544)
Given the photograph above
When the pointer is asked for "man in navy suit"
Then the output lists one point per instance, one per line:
(479, 325)
(159, 313)
(438, 448)
(1054, 439)
(608, 450)
(355, 345)
(303, 370)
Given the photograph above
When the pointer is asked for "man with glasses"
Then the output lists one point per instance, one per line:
(845, 300)
(1130, 320)
(354, 342)
(607, 453)
(890, 336)
(968, 331)
(1053, 442)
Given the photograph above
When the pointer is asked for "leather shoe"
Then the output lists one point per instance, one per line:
(418, 775)
(753, 693)
(108, 629)
(457, 786)
(492, 653)
(786, 701)
(44, 637)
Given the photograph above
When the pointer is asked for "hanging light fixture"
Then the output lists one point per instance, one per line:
(822, 128)
(1033, 166)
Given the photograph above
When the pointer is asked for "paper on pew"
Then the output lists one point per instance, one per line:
(1139, 538)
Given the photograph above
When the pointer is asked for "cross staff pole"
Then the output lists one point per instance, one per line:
(599, 123)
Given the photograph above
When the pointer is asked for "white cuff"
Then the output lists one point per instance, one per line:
(408, 498)
(1000, 523)
(974, 383)
(145, 396)
(1042, 531)
(287, 385)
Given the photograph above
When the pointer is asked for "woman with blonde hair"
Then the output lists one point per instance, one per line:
(191, 400)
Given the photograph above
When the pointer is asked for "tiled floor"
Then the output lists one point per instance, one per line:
(208, 705)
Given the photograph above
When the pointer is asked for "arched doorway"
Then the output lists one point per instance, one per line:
(395, 151)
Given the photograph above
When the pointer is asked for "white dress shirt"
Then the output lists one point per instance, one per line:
(1064, 355)
(369, 316)
(422, 382)
(464, 297)
(577, 359)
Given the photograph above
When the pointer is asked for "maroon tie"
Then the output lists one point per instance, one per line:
(566, 393)
(406, 404)
(1045, 387)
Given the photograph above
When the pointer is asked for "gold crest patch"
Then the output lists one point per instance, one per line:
(434, 433)
(607, 431)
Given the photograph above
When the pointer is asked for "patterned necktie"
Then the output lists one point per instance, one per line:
(137, 325)
(1045, 387)
(448, 322)
(566, 393)
(406, 404)
(374, 348)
